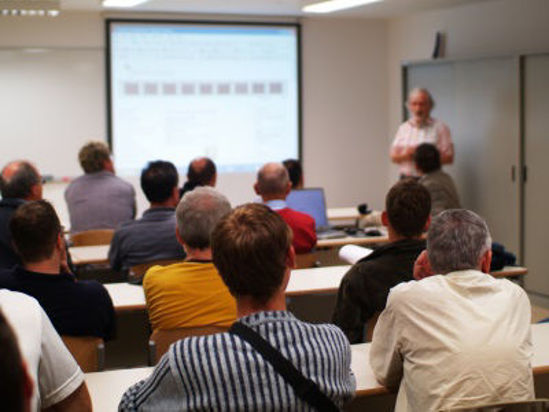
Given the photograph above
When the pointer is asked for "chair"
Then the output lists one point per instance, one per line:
(88, 351)
(92, 237)
(306, 260)
(137, 272)
(160, 340)
(537, 405)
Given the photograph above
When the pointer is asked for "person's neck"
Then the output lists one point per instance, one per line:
(420, 121)
(268, 198)
(198, 254)
(167, 203)
(395, 237)
(48, 267)
(246, 306)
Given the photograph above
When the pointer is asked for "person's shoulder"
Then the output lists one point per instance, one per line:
(157, 273)
(18, 300)
(297, 215)
(92, 290)
(409, 292)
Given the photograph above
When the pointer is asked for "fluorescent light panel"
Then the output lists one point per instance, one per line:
(29, 8)
(335, 5)
(122, 3)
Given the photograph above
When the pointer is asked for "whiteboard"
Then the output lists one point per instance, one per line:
(52, 102)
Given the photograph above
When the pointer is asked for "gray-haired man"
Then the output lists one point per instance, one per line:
(460, 338)
(191, 293)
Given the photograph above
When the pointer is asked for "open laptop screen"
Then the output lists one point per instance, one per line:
(310, 201)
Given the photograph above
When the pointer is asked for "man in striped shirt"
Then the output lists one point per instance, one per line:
(253, 254)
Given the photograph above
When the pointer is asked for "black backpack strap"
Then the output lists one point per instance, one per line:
(305, 388)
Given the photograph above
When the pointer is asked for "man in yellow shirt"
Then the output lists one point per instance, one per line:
(191, 293)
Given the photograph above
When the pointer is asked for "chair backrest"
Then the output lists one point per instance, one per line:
(160, 340)
(537, 405)
(88, 351)
(306, 261)
(92, 237)
(137, 272)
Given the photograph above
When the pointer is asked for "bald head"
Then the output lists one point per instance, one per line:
(202, 172)
(273, 182)
(21, 180)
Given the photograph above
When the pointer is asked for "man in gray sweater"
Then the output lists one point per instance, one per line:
(439, 184)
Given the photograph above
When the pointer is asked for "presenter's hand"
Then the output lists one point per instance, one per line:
(409, 152)
(422, 267)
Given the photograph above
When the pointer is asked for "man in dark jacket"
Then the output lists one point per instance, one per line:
(364, 288)
(20, 182)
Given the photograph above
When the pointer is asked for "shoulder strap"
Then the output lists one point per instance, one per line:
(305, 388)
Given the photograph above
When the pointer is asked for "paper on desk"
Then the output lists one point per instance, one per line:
(353, 253)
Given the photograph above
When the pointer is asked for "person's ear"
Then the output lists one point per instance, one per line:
(290, 265)
(427, 224)
(213, 182)
(288, 188)
(36, 192)
(256, 189)
(178, 237)
(485, 261)
(384, 219)
(175, 195)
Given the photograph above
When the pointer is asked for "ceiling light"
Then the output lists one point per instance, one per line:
(335, 5)
(122, 3)
(30, 8)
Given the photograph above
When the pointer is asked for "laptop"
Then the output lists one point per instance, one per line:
(313, 202)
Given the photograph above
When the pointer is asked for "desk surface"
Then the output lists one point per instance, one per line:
(106, 388)
(342, 213)
(82, 255)
(127, 297)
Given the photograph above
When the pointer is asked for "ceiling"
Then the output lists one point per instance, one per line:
(383, 9)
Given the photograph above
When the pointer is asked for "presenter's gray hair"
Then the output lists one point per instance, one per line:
(426, 92)
(457, 240)
(272, 179)
(198, 213)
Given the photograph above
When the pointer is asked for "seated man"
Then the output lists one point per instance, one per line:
(56, 380)
(153, 236)
(201, 172)
(252, 250)
(98, 199)
(20, 182)
(76, 308)
(273, 185)
(295, 172)
(191, 293)
(458, 339)
(364, 288)
(440, 185)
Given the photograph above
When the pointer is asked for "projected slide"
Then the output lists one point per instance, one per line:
(179, 91)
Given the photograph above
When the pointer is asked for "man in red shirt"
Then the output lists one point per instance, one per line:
(273, 185)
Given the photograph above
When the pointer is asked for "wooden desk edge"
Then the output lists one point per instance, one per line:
(382, 390)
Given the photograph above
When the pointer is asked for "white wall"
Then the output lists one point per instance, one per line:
(486, 28)
(344, 101)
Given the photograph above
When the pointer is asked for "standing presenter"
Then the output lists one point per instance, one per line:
(420, 128)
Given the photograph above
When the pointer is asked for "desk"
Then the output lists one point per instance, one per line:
(83, 255)
(128, 297)
(352, 240)
(106, 388)
(342, 213)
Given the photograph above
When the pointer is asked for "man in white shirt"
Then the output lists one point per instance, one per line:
(458, 339)
(420, 128)
(58, 380)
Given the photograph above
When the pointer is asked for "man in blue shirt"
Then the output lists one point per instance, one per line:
(152, 237)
